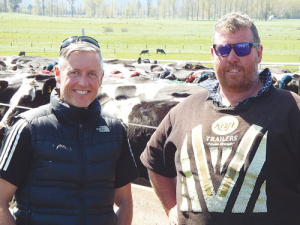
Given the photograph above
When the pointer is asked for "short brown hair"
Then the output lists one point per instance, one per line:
(236, 21)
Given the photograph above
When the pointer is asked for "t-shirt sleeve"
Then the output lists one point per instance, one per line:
(159, 153)
(126, 170)
(15, 153)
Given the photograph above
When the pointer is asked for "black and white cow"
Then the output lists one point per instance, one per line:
(22, 53)
(143, 120)
(144, 52)
(25, 87)
(159, 50)
(141, 106)
(16, 99)
(26, 90)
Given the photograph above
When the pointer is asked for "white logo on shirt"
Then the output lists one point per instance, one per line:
(217, 198)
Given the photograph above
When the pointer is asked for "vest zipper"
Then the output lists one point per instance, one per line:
(80, 132)
(83, 170)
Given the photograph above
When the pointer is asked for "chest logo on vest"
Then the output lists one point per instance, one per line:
(225, 125)
(103, 129)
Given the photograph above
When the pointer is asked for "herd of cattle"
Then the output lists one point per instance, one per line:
(139, 92)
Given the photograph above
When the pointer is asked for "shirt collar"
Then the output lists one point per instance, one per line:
(212, 85)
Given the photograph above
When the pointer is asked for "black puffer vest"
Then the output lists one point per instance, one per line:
(71, 179)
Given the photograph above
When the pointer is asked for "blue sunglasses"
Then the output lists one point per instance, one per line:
(241, 49)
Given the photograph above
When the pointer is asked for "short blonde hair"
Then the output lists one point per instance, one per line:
(80, 46)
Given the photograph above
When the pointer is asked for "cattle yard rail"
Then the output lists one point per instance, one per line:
(262, 63)
(210, 62)
(17, 106)
(140, 125)
(280, 64)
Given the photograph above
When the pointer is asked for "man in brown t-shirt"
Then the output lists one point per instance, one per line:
(230, 154)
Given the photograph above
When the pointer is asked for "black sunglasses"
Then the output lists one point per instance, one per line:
(241, 49)
(74, 39)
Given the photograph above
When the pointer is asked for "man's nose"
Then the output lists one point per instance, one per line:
(83, 80)
(233, 57)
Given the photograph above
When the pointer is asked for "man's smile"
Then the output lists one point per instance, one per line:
(81, 92)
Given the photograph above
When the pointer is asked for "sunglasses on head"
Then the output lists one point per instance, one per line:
(74, 39)
(241, 49)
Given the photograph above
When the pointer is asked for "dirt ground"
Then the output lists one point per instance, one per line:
(147, 209)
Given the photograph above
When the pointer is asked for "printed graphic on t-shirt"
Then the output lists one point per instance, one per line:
(223, 159)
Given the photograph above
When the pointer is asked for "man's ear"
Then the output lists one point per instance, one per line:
(259, 53)
(101, 79)
(212, 54)
(57, 74)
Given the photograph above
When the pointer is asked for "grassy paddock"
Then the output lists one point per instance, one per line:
(125, 38)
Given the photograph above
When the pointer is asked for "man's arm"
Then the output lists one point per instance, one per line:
(165, 189)
(7, 191)
(123, 200)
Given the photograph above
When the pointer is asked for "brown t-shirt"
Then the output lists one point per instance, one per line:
(234, 165)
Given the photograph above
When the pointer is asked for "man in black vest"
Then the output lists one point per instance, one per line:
(67, 162)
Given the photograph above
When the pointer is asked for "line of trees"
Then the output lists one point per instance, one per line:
(187, 9)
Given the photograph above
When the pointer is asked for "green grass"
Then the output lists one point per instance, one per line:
(181, 39)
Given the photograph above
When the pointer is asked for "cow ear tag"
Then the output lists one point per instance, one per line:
(49, 89)
(56, 70)
(57, 74)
